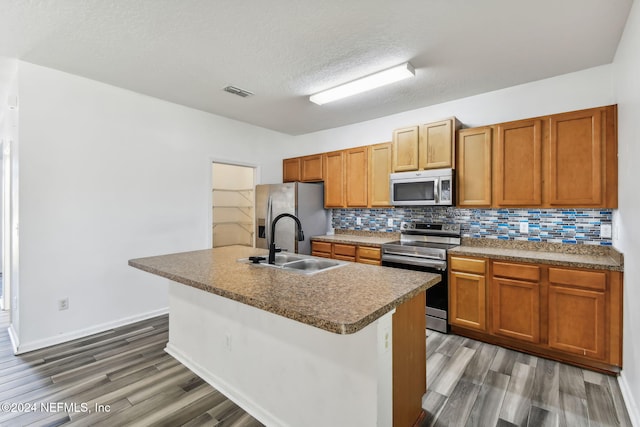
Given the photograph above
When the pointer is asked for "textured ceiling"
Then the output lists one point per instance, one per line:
(186, 51)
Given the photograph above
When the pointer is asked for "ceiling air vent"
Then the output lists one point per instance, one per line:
(237, 91)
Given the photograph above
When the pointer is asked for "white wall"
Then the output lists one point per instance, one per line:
(626, 71)
(574, 91)
(107, 175)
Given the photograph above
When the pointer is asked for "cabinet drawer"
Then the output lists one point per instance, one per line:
(340, 249)
(366, 252)
(578, 278)
(468, 265)
(516, 271)
(323, 247)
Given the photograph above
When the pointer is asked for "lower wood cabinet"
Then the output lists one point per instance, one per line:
(347, 252)
(568, 314)
(467, 293)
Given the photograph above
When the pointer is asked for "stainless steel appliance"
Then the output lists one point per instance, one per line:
(422, 188)
(423, 246)
(304, 200)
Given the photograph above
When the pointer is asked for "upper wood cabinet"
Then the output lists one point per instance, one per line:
(517, 171)
(379, 170)
(305, 169)
(562, 160)
(291, 170)
(405, 149)
(356, 176)
(334, 179)
(429, 146)
(436, 147)
(311, 168)
(474, 167)
(582, 156)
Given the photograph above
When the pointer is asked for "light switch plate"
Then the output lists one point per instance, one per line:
(524, 227)
(358, 221)
(605, 231)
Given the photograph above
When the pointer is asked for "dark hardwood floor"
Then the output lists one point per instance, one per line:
(469, 384)
(125, 368)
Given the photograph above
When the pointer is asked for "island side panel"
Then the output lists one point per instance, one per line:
(283, 372)
(409, 361)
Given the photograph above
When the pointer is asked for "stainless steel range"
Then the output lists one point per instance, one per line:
(423, 246)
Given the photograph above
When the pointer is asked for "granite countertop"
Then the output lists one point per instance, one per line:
(578, 256)
(341, 300)
(356, 239)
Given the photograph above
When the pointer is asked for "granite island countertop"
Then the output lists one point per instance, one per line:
(341, 300)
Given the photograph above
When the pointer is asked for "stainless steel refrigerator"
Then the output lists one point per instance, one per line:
(304, 200)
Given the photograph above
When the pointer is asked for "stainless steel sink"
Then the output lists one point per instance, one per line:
(299, 264)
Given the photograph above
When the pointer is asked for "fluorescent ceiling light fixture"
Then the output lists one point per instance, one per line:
(372, 81)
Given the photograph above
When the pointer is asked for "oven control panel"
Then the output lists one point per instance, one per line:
(430, 228)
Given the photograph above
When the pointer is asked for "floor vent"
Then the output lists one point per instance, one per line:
(237, 91)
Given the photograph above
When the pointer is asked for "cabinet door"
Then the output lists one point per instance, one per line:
(517, 166)
(405, 149)
(577, 321)
(344, 252)
(516, 309)
(436, 147)
(356, 174)
(577, 311)
(368, 255)
(379, 170)
(474, 167)
(467, 295)
(576, 147)
(321, 249)
(291, 170)
(334, 180)
(311, 168)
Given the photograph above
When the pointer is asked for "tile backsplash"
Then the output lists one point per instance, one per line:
(577, 226)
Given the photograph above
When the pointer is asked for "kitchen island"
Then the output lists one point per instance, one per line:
(344, 346)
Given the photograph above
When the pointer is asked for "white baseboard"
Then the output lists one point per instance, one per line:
(20, 348)
(15, 342)
(228, 390)
(629, 400)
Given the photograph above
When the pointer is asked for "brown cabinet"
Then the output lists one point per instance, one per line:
(562, 160)
(577, 312)
(311, 168)
(515, 302)
(582, 156)
(436, 147)
(568, 314)
(321, 249)
(467, 293)
(291, 170)
(334, 182)
(474, 167)
(517, 171)
(379, 170)
(356, 177)
(405, 149)
(369, 255)
(429, 146)
(347, 252)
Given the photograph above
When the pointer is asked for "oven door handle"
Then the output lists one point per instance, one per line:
(420, 261)
(411, 255)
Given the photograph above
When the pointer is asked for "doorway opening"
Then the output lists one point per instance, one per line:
(233, 201)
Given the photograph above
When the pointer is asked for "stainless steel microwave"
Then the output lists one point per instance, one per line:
(422, 188)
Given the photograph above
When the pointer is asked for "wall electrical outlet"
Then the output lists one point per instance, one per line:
(358, 221)
(524, 227)
(389, 222)
(605, 231)
(63, 304)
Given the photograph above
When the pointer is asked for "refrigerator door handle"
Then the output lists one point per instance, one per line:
(267, 226)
